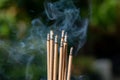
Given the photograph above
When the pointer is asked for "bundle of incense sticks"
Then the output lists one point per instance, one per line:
(58, 66)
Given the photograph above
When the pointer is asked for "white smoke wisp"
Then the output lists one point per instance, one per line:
(29, 52)
(28, 74)
(67, 17)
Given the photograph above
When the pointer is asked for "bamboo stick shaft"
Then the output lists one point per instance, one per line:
(62, 65)
(51, 55)
(51, 59)
(60, 62)
(65, 63)
(55, 60)
(69, 65)
(48, 55)
(65, 53)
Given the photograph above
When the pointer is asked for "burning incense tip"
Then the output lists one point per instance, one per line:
(61, 44)
(71, 50)
(65, 37)
(63, 33)
(56, 38)
(48, 36)
(51, 34)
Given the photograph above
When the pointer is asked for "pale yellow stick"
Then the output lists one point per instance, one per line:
(60, 62)
(55, 59)
(65, 64)
(48, 56)
(62, 40)
(51, 55)
(63, 61)
(69, 64)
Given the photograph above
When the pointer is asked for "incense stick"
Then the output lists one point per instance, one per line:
(69, 64)
(65, 54)
(51, 54)
(55, 58)
(64, 64)
(62, 40)
(48, 55)
(60, 61)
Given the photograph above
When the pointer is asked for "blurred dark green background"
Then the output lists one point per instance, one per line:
(103, 41)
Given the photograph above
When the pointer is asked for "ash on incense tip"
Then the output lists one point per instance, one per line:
(71, 50)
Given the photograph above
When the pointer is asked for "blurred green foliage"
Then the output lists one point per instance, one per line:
(4, 30)
(104, 12)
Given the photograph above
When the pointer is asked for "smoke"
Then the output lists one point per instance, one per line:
(67, 17)
(30, 52)
(27, 56)
(28, 75)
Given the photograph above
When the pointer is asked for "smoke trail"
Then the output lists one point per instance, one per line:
(67, 17)
(27, 53)
(28, 75)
